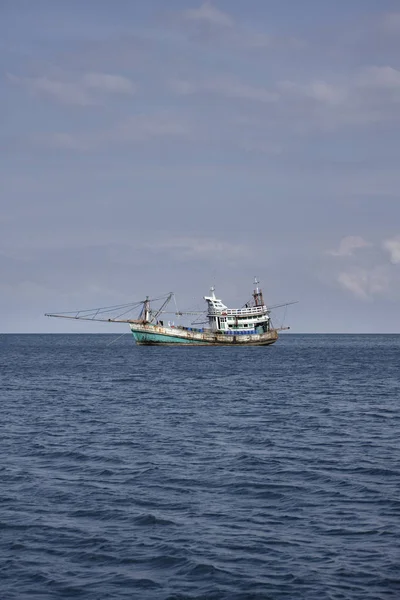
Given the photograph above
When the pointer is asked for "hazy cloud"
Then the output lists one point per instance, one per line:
(224, 86)
(368, 275)
(135, 129)
(393, 247)
(346, 101)
(205, 248)
(65, 92)
(321, 91)
(146, 126)
(316, 105)
(379, 77)
(366, 283)
(348, 245)
(113, 84)
(81, 91)
(212, 24)
(355, 282)
(210, 14)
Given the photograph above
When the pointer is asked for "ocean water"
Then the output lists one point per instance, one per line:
(199, 473)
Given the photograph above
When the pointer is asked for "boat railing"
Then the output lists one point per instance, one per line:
(252, 310)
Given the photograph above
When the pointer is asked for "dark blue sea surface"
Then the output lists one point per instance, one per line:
(199, 473)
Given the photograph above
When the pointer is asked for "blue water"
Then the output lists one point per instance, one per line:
(214, 473)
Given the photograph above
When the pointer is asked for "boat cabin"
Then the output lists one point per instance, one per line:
(252, 318)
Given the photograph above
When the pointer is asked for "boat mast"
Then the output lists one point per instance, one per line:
(257, 294)
(161, 309)
(146, 310)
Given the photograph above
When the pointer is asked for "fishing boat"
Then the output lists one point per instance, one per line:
(249, 325)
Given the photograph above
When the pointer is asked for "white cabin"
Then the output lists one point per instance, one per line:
(251, 319)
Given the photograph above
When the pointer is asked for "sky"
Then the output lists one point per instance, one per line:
(156, 146)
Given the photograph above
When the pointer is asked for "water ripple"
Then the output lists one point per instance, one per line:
(186, 473)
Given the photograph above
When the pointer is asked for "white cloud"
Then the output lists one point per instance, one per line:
(379, 77)
(365, 97)
(81, 91)
(348, 245)
(207, 13)
(139, 128)
(356, 283)
(203, 248)
(393, 247)
(367, 275)
(113, 84)
(325, 92)
(143, 127)
(365, 283)
(66, 92)
(225, 87)
(222, 29)
(315, 105)
(318, 90)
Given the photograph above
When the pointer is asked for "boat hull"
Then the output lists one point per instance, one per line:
(154, 335)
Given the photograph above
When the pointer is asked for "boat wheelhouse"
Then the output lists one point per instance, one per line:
(253, 318)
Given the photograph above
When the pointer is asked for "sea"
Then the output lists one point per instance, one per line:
(202, 473)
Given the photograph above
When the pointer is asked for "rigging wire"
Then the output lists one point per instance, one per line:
(103, 310)
(176, 304)
(176, 308)
(118, 338)
(284, 316)
(124, 313)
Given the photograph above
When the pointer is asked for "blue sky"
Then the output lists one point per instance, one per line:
(156, 146)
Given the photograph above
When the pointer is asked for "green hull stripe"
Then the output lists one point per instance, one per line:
(158, 338)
